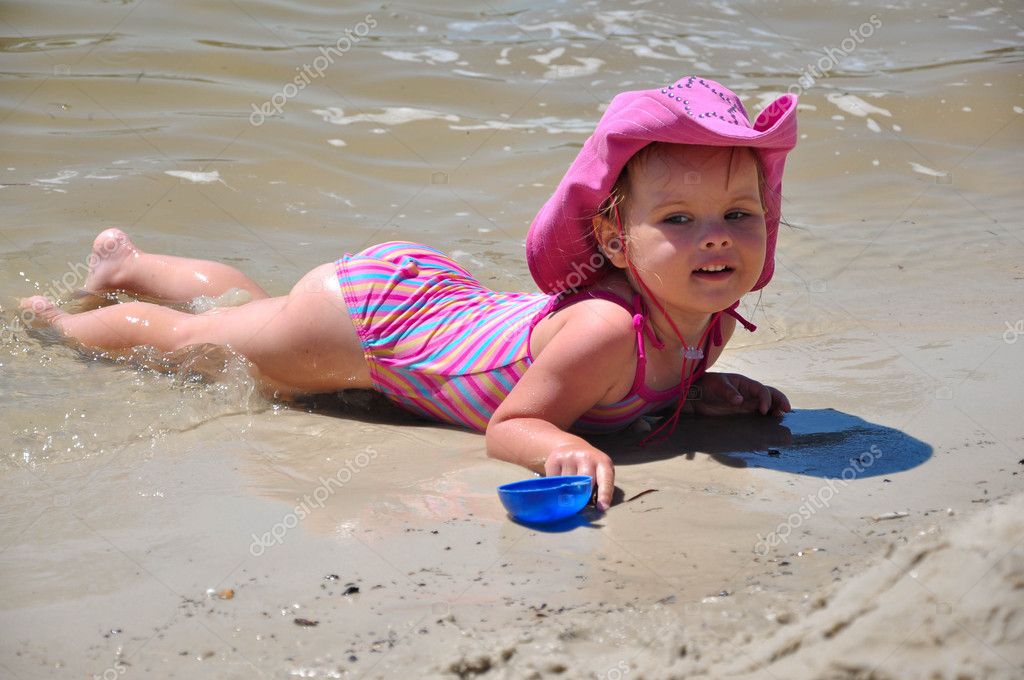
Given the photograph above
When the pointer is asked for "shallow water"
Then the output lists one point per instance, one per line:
(431, 123)
(898, 280)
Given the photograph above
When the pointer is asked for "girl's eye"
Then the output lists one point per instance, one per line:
(683, 219)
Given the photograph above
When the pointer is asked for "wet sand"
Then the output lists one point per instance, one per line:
(874, 532)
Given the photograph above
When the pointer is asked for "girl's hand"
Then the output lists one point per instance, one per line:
(731, 393)
(577, 460)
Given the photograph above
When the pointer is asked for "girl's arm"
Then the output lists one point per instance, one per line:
(587, 359)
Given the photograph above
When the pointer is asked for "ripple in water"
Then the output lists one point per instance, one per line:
(67, 403)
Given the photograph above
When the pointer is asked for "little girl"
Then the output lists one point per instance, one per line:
(665, 219)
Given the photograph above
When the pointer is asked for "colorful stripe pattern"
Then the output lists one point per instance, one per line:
(443, 346)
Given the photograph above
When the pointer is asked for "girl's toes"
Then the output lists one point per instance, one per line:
(110, 249)
(41, 309)
(110, 241)
(36, 304)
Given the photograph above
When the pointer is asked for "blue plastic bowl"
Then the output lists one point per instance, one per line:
(546, 499)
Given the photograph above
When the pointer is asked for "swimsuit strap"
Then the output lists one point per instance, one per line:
(715, 337)
(716, 332)
(640, 325)
(731, 311)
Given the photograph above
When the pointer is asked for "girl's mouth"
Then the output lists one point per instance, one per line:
(714, 273)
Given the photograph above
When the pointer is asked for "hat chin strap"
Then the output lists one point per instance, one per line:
(694, 354)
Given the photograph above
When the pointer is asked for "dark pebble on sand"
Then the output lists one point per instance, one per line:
(351, 589)
(331, 577)
(306, 622)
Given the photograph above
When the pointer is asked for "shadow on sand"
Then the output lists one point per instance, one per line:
(814, 442)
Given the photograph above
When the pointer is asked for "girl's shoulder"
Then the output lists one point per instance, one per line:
(602, 313)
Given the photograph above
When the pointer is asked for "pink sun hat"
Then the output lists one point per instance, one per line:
(560, 248)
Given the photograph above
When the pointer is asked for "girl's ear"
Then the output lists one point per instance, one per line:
(608, 242)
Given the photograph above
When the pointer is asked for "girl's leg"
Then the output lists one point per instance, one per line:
(117, 264)
(304, 342)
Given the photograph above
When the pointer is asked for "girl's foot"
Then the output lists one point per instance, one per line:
(41, 309)
(110, 252)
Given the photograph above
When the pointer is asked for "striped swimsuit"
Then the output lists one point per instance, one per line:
(443, 346)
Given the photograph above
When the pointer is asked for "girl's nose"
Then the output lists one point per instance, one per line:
(716, 236)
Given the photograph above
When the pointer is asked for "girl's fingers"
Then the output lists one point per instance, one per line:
(585, 468)
(780, 402)
(765, 400)
(758, 394)
(734, 394)
(605, 485)
(729, 391)
(719, 388)
(552, 467)
(751, 394)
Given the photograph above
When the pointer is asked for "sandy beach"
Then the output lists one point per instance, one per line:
(160, 525)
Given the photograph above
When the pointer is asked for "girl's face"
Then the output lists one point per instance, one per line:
(687, 209)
